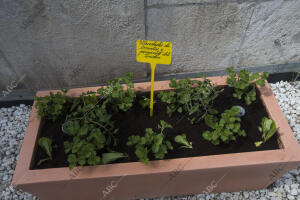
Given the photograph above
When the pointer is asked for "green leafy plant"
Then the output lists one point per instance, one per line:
(88, 110)
(117, 95)
(191, 97)
(181, 139)
(226, 129)
(53, 106)
(244, 82)
(268, 129)
(88, 123)
(151, 142)
(145, 102)
(91, 130)
(82, 150)
(46, 144)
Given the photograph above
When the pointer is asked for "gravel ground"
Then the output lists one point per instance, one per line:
(13, 122)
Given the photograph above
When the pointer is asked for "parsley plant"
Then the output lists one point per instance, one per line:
(244, 82)
(151, 142)
(225, 129)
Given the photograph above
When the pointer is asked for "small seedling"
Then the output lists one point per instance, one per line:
(268, 129)
(226, 129)
(181, 139)
(244, 82)
(145, 102)
(46, 144)
(118, 96)
(191, 97)
(151, 142)
(87, 140)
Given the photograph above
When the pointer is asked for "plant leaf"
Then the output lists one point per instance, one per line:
(142, 153)
(45, 143)
(42, 161)
(257, 144)
(181, 139)
(111, 157)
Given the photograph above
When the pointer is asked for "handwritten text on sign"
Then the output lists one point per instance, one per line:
(153, 52)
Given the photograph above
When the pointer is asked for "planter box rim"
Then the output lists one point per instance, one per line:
(289, 151)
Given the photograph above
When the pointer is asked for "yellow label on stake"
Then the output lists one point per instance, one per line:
(153, 52)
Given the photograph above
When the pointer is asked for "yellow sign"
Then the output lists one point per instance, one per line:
(153, 52)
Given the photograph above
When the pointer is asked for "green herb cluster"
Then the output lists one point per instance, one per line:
(91, 129)
(145, 102)
(244, 82)
(53, 106)
(118, 96)
(90, 125)
(225, 129)
(92, 134)
(151, 142)
(191, 97)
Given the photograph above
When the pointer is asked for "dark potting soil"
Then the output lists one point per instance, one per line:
(134, 122)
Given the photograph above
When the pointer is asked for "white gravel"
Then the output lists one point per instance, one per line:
(13, 122)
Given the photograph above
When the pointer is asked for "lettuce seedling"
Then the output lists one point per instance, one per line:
(53, 106)
(268, 129)
(226, 129)
(111, 157)
(244, 82)
(46, 144)
(192, 97)
(151, 142)
(181, 139)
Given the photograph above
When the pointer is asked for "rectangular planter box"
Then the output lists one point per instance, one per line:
(182, 176)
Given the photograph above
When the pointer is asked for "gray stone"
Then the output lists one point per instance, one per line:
(294, 192)
(288, 176)
(294, 172)
(290, 197)
(272, 194)
(296, 186)
(5, 178)
(246, 194)
(288, 181)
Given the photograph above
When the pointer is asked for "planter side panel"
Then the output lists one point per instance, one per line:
(177, 182)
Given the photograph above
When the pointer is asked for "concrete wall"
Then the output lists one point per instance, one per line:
(210, 35)
(65, 43)
(69, 43)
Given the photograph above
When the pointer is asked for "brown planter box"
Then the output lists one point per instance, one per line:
(182, 176)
